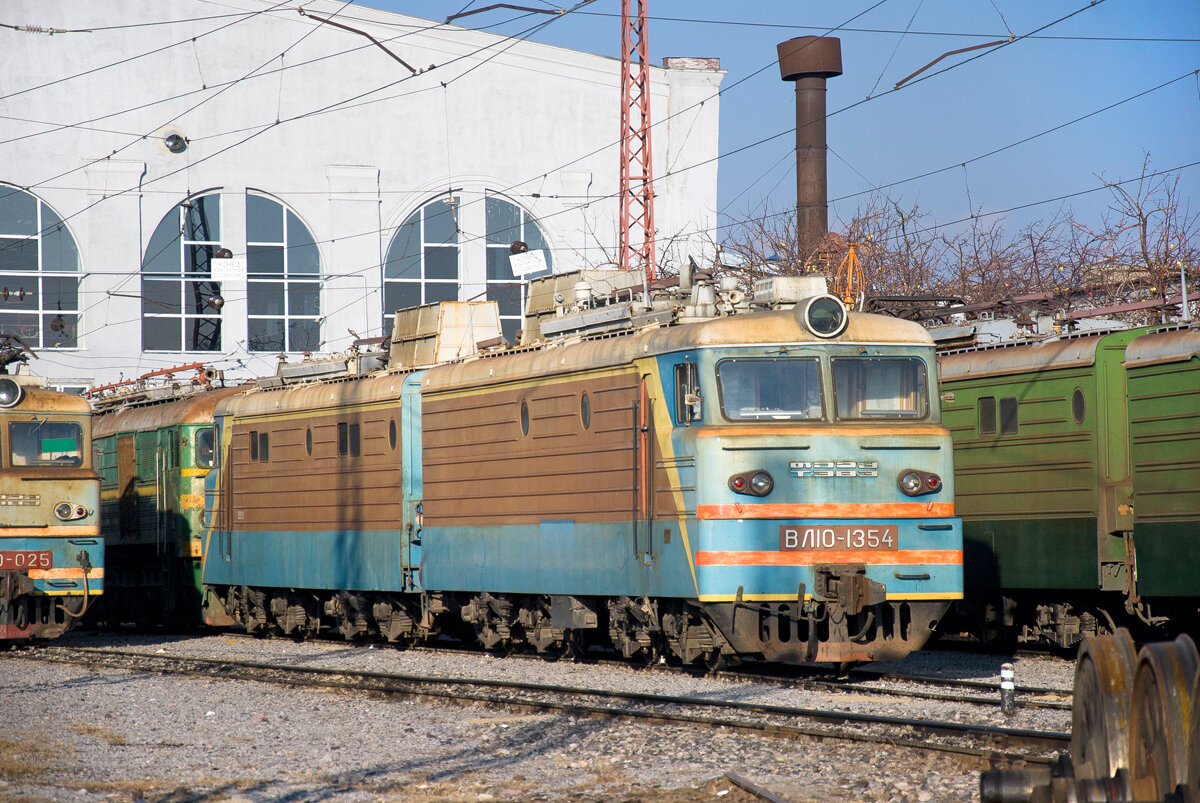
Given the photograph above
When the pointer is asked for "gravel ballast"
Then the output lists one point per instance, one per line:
(78, 734)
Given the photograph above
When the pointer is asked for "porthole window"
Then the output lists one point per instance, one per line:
(392, 433)
(308, 441)
(585, 411)
(524, 418)
(1078, 406)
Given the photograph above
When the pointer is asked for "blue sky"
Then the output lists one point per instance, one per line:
(1101, 55)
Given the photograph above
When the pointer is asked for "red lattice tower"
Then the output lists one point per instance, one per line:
(637, 174)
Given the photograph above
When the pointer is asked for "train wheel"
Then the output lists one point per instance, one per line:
(1162, 691)
(1100, 711)
(1193, 763)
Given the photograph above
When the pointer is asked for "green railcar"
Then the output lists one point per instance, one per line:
(1163, 377)
(1078, 481)
(152, 457)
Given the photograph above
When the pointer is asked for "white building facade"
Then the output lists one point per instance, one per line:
(221, 183)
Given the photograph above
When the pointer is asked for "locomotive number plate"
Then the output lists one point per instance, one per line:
(26, 559)
(838, 536)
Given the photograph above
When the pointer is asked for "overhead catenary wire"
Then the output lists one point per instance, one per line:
(751, 145)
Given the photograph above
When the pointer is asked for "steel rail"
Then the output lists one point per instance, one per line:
(989, 743)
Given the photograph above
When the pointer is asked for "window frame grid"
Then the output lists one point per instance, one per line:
(183, 277)
(42, 316)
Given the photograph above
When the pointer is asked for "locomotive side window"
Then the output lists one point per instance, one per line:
(1008, 416)
(1078, 406)
(260, 447)
(392, 433)
(308, 441)
(524, 418)
(204, 447)
(987, 415)
(875, 388)
(585, 411)
(687, 393)
(348, 439)
(785, 389)
(45, 443)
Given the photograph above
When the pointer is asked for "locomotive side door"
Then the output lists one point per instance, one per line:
(411, 481)
(643, 474)
(127, 489)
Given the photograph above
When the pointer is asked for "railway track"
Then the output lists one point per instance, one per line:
(987, 744)
(858, 681)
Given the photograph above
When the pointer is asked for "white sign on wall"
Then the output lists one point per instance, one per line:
(229, 269)
(527, 263)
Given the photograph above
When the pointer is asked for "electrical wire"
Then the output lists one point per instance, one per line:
(752, 144)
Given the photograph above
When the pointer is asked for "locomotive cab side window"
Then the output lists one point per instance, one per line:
(779, 389)
(688, 401)
(45, 443)
(868, 388)
(204, 447)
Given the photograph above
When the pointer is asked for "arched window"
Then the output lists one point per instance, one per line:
(422, 259)
(178, 308)
(39, 273)
(283, 279)
(508, 223)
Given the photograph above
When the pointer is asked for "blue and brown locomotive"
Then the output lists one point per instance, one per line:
(51, 553)
(673, 472)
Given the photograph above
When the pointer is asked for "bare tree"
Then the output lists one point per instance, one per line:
(1154, 235)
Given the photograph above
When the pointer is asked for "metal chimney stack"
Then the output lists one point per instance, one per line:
(809, 61)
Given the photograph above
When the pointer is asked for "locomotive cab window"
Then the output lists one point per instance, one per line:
(204, 447)
(688, 402)
(781, 389)
(45, 443)
(868, 388)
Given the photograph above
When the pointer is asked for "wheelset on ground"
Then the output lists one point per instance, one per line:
(1135, 729)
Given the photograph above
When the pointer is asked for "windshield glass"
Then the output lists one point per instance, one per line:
(45, 443)
(204, 448)
(880, 388)
(778, 389)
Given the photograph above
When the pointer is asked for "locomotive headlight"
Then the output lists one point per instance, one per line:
(752, 483)
(761, 483)
(10, 392)
(910, 483)
(914, 483)
(824, 315)
(69, 511)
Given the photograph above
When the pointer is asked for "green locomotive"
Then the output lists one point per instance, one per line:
(1077, 461)
(152, 451)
